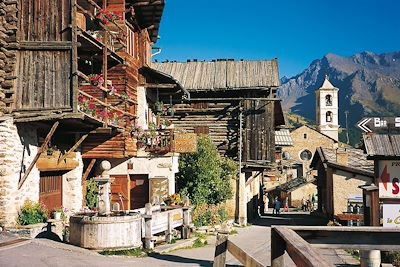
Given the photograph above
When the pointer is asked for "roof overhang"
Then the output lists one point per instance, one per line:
(166, 79)
(147, 14)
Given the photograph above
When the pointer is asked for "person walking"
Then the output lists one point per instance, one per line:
(277, 206)
(286, 205)
(266, 202)
(304, 204)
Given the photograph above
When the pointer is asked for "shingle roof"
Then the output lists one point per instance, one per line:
(357, 159)
(382, 144)
(283, 138)
(223, 75)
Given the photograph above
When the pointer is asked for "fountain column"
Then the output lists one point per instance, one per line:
(104, 189)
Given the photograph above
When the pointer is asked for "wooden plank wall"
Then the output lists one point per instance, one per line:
(43, 80)
(220, 118)
(43, 74)
(44, 20)
(97, 146)
(258, 134)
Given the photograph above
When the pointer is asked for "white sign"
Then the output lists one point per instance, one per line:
(391, 215)
(389, 178)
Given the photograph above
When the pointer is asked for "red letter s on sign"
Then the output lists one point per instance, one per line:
(395, 184)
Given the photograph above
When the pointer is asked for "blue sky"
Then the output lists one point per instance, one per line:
(294, 31)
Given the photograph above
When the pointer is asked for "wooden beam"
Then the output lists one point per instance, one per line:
(148, 3)
(88, 170)
(244, 258)
(83, 182)
(40, 150)
(160, 85)
(73, 148)
(298, 249)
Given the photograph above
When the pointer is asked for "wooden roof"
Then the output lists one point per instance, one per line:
(223, 75)
(382, 145)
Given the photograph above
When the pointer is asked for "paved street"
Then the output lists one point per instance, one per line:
(253, 239)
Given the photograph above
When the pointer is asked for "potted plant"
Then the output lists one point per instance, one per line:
(58, 213)
(158, 107)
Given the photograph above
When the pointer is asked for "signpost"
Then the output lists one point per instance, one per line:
(391, 215)
(389, 176)
(379, 124)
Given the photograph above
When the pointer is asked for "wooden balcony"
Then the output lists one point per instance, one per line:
(157, 141)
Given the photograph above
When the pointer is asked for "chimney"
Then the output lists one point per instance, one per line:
(342, 157)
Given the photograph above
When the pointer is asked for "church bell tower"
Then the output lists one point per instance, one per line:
(327, 109)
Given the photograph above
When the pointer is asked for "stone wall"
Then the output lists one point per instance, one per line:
(307, 138)
(8, 30)
(72, 186)
(18, 147)
(344, 187)
(304, 191)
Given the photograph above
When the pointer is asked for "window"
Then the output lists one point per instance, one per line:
(305, 136)
(199, 105)
(329, 116)
(130, 42)
(306, 154)
(328, 100)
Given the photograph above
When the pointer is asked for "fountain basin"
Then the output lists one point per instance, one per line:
(106, 233)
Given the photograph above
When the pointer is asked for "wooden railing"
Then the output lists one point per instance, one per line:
(299, 242)
(223, 244)
(156, 141)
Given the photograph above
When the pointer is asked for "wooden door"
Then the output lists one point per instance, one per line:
(139, 190)
(120, 191)
(50, 191)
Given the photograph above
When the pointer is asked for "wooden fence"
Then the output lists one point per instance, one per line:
(300, 243)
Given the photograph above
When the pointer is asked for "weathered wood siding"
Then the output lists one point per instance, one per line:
(259, 128)
(97, 146)
(44, 20)
(43, 80)
(220, 118)
(44, 57)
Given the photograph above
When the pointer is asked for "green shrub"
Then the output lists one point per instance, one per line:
(32, 213)
(391, 257)
(205, 176)
(204, 214)
(92, 191)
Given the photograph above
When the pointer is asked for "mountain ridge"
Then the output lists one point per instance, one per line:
(369, 85)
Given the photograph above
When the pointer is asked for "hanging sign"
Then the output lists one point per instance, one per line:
(389, 179)
(185, 143)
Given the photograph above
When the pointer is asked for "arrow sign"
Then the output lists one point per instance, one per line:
(379, 125)
(362, 125)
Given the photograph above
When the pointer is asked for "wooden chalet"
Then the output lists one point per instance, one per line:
(71, 79)
(222, 94)
(234, 102)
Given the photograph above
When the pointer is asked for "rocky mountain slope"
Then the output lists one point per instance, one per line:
(369, 84)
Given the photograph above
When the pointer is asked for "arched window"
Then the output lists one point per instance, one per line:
(305, 136)
(328, 100)
(329, 116)
(306, 154)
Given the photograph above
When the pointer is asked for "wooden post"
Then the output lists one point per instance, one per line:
(168, 233)
(148, 238)
(278, 247)
(40, 150)
(84, 183)
(221, 246)
(186, 222)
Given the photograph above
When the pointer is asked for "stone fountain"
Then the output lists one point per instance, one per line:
(106, 230)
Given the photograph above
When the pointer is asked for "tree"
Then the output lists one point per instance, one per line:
(205, 175)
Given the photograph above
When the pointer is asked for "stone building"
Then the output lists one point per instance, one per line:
(340, 172)
(68, 94)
